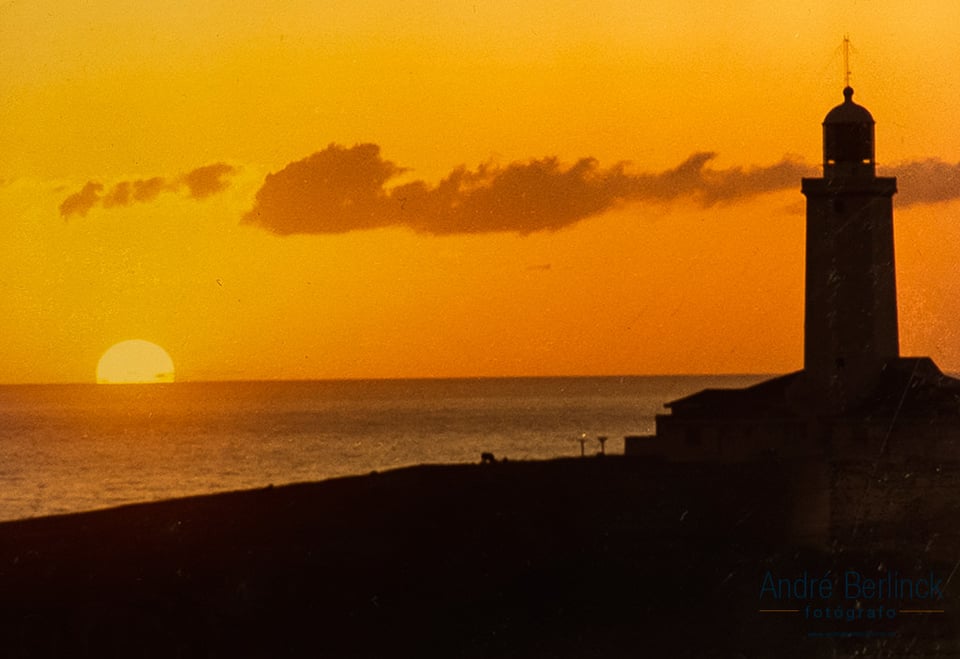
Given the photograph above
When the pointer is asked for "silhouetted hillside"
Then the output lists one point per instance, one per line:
(598, 557)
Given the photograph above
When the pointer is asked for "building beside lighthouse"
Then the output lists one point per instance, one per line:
(855, 396)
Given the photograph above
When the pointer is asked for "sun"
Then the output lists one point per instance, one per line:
(135, 362)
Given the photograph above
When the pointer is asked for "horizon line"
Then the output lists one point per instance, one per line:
(388, 379)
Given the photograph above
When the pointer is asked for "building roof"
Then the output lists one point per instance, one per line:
(908, 387)
(764, 399)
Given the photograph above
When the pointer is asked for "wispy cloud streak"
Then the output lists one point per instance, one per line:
(199, 183)
(925, 181)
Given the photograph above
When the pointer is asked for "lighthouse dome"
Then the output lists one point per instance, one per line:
(849, 112)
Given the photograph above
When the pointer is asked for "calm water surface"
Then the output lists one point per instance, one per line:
(67, 448)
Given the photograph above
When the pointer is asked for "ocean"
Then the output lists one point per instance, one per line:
(71, 448)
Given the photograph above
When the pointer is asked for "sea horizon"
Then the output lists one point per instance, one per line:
(452, 378)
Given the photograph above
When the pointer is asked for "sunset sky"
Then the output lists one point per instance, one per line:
(311, 189)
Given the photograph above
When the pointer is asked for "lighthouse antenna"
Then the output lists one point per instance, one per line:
(846, 60)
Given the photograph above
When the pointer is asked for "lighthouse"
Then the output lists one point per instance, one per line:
(856, 397)
(850, 313)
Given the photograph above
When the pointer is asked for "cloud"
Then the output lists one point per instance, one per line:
(522, 197)
(149, 189)
(118, 196)
(926, 181)
(734, 184)
(206, 181)
(200, 183)
(343, 189)
(80, 203)
(332, 191)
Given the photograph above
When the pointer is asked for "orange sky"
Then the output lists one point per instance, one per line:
(530, 199)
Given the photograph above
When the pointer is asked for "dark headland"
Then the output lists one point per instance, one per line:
(588, 557)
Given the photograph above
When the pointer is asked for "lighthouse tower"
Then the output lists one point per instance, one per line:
(850, 323)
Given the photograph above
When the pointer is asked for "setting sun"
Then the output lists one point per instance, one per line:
(135, 362)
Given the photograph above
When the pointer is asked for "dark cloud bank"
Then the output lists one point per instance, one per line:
(199, 183)
(343, 189)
